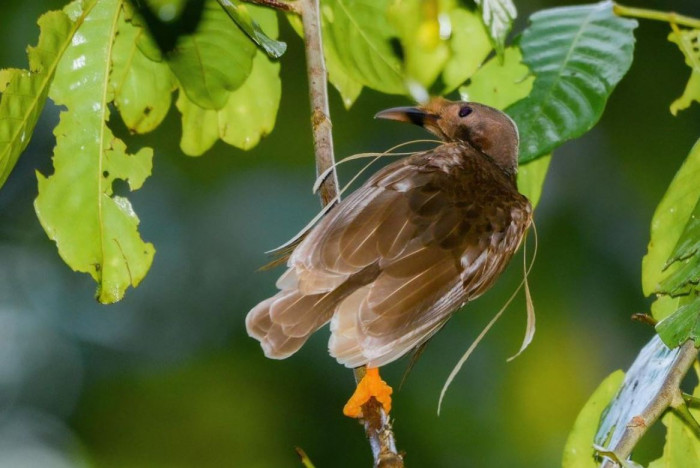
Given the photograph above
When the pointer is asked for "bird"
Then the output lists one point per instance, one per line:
(391, 263)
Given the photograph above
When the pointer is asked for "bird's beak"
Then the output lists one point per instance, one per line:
(414, 115)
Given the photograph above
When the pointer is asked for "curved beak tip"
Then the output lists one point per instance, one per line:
(414, 115)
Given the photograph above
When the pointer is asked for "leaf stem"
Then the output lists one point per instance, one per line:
(665, 16)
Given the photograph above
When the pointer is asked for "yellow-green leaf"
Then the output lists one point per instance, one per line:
(360, 34)
(578, 451)
(142, 87)
(469, 47)
(24, 92)
(214, 60)
(498, 16)
(669, 221)
(95, 230)
(688, 41)
(249, 112)
(425, 51)
(531, 178)
(500, 83)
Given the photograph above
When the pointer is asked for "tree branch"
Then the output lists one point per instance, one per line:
(376, 422)
(280, 5)
(667, 396)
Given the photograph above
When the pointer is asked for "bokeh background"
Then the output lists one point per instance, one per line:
(169, 378)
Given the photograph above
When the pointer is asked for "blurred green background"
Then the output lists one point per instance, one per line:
(169, 378)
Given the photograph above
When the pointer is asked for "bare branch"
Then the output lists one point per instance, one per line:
(376, 421)
(280, 5)
(666, 395)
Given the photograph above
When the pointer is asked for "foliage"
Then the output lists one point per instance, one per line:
(578, 451)
(578, 55)
(554, 80)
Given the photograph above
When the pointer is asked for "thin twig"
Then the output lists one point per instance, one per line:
(668, 396)
(280, 5)
(376, 421)
(665, 16)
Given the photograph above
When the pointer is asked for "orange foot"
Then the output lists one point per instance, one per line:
(370, 386)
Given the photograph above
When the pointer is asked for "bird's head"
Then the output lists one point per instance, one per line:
(486, 129)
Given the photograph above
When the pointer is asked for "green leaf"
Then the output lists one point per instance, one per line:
(24, 92)
(682, 447)
(578, 54)
(683, 324)
(142, 87)
(239, 14)
(95, 230)
(531, 178)
(578, 451)
(469, 47)
(425, 53)
(669, 223)
(686, 256)
(348, 88)
(249, 113)
(359, 34)
(688, 41)
(498, 16)
(213, 61)
(500, 83)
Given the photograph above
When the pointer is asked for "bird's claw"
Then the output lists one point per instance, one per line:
(370, 386)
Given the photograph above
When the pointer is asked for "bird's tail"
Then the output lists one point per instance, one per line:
(285, 321)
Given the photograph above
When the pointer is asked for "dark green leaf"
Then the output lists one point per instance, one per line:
(578, 54)
(239, 14)
(683, 324)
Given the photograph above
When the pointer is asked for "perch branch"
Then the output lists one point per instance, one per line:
(376, 422)
(668, 396)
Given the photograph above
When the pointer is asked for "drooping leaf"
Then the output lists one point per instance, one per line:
(250, 111)
(348, 87)
(578, 54)
(669, 223)
(683, 324)
(688, 41)
(24, 92)
(469, 47)
(498, 16)
(682, 447)
(500, 83)
(142, 87)
(531, 178)
(425, 51)
(239, 14)
(94, 229)
(578, 451)
(214, 60)
(360, 36)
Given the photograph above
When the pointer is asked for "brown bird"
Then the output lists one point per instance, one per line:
(423, 236)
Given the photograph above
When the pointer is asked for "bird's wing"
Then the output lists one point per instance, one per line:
(439, 238)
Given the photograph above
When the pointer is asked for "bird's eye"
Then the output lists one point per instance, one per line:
(465, 111)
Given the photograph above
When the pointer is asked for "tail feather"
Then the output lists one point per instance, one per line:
(285, 321)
